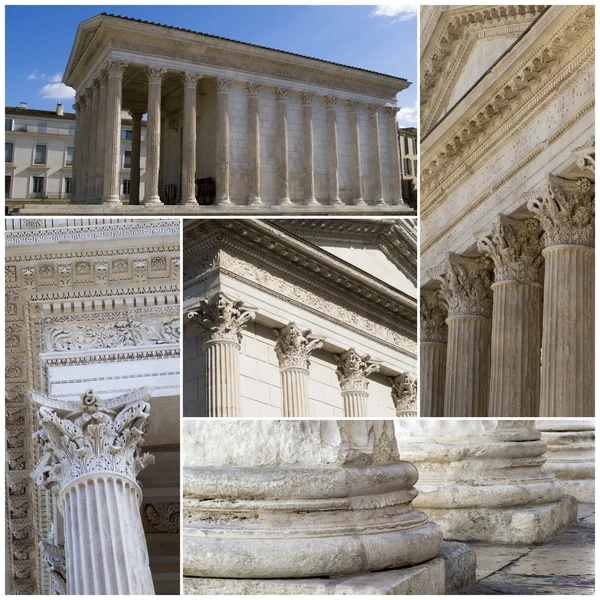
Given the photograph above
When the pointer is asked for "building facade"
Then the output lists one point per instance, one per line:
(409, 158)
(507, 211)
(39, 153)
(92, 394)
(235, 124)
(304, 318)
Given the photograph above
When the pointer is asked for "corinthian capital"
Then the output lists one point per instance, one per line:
(466, 285)
(281, 93)
(434, 312)
(190, 79)
(392, 111)
(404, 395)
(331, 101)
(565, 209)
(222, 318)
(96, 436)
(115, 68)
(353, 370)
(515, 247)
(155, 74)
(223, 84)
(294, 346)
(253, 88)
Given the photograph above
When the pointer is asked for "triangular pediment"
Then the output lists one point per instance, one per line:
(463, 44)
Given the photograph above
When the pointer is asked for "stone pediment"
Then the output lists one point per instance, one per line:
(464, 43)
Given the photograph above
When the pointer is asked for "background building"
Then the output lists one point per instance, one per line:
(39, 147)
(407, 138)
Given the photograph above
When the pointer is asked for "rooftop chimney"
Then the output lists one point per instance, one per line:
(59, 109)
(23, 105)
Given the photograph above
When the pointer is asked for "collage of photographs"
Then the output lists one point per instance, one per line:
(292, 314)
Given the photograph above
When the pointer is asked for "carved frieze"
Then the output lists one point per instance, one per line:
(164, 516)
(354, 369)
(434, 312)
(294, 346)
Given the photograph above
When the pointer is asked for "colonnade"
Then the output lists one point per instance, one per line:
(222, 321)
(96, 167)
(511, 333)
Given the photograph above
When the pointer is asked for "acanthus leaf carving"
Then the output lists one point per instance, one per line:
(353, 370)
(404, 395)
(294, 346)
(434, 312)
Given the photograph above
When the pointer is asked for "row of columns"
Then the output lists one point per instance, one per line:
(97, 166)
(515, 347)
(222, 321)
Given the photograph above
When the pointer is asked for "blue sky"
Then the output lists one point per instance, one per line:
(379, 38)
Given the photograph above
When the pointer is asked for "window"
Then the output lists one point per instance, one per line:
(127, 160)
(7, 181)
(126, 187)
(9, 149)
(42, 127)
(407, 166)
(40, 154)
(72, 130)
(406, 149)
(415, 165)
(127, 135)
(38, 184)
(9, 124)
(69, 158)
(68, 184)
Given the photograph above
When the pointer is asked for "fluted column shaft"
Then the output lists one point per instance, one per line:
(188, 151)
(105, 545)
(155, 76)
(222, 142)
(355, 403)
(356, 174)
(332, 151)
(113, 133)
(433, 378)
(309, 153)
(515, 350)
(223, 391)
(101, 136)
(136, 148)
(377, 177)
(567, 380)
(254, 198)
(283, 184)
(294, 392)
(396, 181)
(95, 126)
(84, 147)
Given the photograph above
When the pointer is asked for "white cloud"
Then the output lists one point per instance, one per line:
(31, 75)
(397, 12)
(407, 116)
(57, 91)
(43, 76)
(55, 78)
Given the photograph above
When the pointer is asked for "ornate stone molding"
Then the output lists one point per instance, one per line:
(353, 370)
(515, 247)
(294, 346)
(434, 312)
(565, 209)
(465, 285)
(586, 156)
(164, 516)
(404, 395)
(94, 439)
(55, 563)
(221, 318)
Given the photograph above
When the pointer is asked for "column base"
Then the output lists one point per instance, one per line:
(189, 202)
(284, 202)
(106, 200)
(337, 202)
(521, 525)
(449, 573)
(359, 202)
(312, 202)
(256, 201)
(152, 200)
(223, 201)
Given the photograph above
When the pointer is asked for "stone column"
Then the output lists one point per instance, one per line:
(332, 151)
(432, 358)
(136, 149)
(356, 176)
(331, 511)
(283, 184)
(112, 147)
(515, 248)
(404, 395)
(377, 176)
(91, 455)
(466, 289)
(482, 480)
(84, 139)
(293, 349)
(93, 157)
(397, 199)
(254, 198)
(155, 77)
(101, 135)
(565, 210)
(222, 320)
(76, 169)
(309, 151)
(222, 145)
(188, 149)
(571, 455)
(352, 372)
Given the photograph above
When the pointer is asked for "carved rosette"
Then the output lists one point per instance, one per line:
(516, 249)
(294, 346)
(434, 312)
(404, 395)
(164, 516)
(221, 318)
(466, 286)
(91, 440)
(353, 370)
(565, 209)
